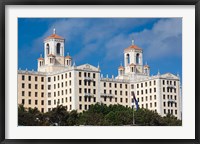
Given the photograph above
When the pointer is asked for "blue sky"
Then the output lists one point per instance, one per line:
(102, 40)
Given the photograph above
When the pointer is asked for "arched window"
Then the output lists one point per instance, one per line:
(137, 58)
(58, 48)
(128, 58)
(132, 69)
(47, 49)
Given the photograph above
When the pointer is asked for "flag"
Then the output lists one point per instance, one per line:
(136, 102)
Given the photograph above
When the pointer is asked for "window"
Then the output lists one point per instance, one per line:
(141, 85)
(154, 82)
(163, 82)
(23, 85)
(126, 93)
(70, 74)
(23, 101)
(132, 86)
(49, 87)
(121, 100)
(80, 90)
(94, 83)
(23, 77)
(49, 79)
(137, 58)
(163, 96)
(150, 97)
(146, 98)
(126, 100)
(154, 89)
(54, 78)
(175, 111)
(120, 85)
(66, 83)
(42, 79)
(164, 111)
(36, 102)
(29, 78)
(80, 98)
(115, 85)
(137, 92)
(145, 84)
(23, 93)
(175, 97)
(150, 90)
(70, 90)
(66, 99)
(80, 82)
(36, 86)
(29, 101)
(85, 82)
(174, 83)
(58, 48)
(70, 82)
(79, 74)
(49, 102)
(164, 104)
(42, 94)
(80, 107)
(155, 104)
(94, 99)
(163, 89)
(126, 86)
(42, 87)
(94, 75)
(150, 83)
(110, 85)
(110, 91)
(42, 102)
(94, 91)
(49, 94)
(70, 99)
(150, 104)
(36, 94)
(58, 77)
(115, 92)
(105, 99)
(29, 93)
(104, 84)
(120, 92)
(85, 107)
(29, 86)
(104, 91)
(154, 97)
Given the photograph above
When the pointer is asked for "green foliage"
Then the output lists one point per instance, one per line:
(97, 115)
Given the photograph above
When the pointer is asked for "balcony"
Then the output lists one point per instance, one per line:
(171, 86)
(107, 95)
(88, 79)
(88, 95)
(171, 100)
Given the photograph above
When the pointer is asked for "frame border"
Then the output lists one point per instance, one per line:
(3, 4)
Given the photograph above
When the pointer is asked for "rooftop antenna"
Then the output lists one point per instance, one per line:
(54, 30)
(98, 65)
(132, 39)
(121, 63)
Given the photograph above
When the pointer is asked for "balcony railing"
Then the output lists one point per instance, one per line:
(107, 95)
(171, 100)
(88, 95)
(88, 79)
(171, 86)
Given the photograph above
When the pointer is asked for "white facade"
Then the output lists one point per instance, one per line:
(58, 82)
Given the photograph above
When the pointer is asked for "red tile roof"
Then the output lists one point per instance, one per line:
(54, 36)
(132, 47)
(40, 58)
(147, 66)
(121, 68)
(68, 57)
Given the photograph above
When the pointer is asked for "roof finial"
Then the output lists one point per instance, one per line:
(132, 40)
(158, 72)
(98, 65)
(120, 63)
(54, 30)
(41, 55)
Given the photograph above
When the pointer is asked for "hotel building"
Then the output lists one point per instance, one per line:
(58, 81)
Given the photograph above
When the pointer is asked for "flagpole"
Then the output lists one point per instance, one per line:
(133, 116)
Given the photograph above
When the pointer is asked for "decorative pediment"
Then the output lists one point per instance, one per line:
(88, 67)
(169, 76)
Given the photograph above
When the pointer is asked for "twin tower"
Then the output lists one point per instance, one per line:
(54, 59)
